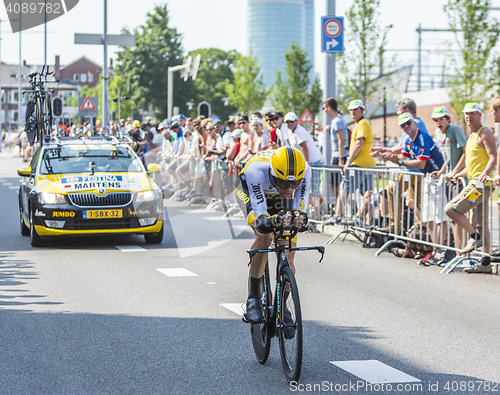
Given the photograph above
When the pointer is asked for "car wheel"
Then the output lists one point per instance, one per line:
(155, 238)
(25, 231)
(36, 240)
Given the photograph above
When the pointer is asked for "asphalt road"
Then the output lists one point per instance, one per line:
(96, 315)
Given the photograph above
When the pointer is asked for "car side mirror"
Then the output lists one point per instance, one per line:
(24, 171)
(154, 168)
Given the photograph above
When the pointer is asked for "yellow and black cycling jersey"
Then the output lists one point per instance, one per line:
(259, 199)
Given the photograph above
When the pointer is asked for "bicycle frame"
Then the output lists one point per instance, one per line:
(282, 259)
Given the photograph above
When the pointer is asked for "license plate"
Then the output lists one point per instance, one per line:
(95, 214)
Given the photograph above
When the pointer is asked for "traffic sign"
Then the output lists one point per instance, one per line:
(332, 34)
(306, 117)
(88, 104)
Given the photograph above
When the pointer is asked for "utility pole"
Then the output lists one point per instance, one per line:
(330, 90)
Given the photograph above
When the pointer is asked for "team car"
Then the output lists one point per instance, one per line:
(89, 186)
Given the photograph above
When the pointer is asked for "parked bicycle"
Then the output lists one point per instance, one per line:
(282, 317)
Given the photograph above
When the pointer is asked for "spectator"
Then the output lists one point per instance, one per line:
(339, 136)
(271, 120)
(231, 124)
(262, 142)
(421, 153)
(480, 160)
(303, 141)
(235, 148)
(246, 142)
(282, 132)
(338, 132)
(359, 156)
(452, 146)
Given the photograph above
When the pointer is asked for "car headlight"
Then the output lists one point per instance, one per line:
(147, 196)
(51, 198)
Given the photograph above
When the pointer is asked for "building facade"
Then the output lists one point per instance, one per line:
(71, 77)
(272, 26)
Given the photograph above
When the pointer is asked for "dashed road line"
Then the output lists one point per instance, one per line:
(131, 248)
(234, 307)
(177, 272)
(375, 372)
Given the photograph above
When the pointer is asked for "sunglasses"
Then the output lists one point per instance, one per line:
(408, 123)
(242, 122)
(283, 184)
(290, 121)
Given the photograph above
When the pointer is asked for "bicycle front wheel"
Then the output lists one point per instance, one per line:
(290, 325)
(261, 339)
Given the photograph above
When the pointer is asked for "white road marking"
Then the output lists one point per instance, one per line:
(130, 248)
(13, 187)
(7, 183)
(234, 307)
(177, 272)
(375, 372)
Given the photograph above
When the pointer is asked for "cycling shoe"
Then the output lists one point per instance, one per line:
(254, 311)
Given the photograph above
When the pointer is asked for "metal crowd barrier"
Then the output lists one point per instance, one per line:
(402, 206)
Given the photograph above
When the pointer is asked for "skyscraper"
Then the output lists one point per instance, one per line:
(272, 26)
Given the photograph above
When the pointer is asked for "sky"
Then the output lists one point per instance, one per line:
(220, 24)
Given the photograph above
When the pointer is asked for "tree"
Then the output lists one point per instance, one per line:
(214, 73)
(248, 92)
(358, 67)
(476, 35)
(295, 93)
(144, 68)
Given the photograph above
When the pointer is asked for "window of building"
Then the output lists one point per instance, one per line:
(76, 77)
(91, 77)
(83, 77)
(13, 115)
(13, 96)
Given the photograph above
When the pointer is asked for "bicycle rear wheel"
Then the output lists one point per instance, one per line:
(290, 325)
(261, 339)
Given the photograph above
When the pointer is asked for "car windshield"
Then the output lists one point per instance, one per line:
(83, 159)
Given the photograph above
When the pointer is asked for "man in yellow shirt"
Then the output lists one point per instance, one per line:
(480, 160)
(359, 156)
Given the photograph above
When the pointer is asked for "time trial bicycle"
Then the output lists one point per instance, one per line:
(282, 317)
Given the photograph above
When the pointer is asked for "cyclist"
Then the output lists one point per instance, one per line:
(270, 182)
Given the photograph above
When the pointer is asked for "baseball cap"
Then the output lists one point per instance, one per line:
(218, 122)
(405, 117)
(136, 124)
(129, 128)
(236, 133)
(182, 116)
(353, 104)
(440, 112)
(291, 116)
(472, 107)
(230, 120)
(161, 126)
(175, 125)
(257, 120)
